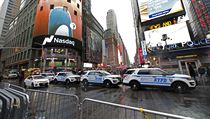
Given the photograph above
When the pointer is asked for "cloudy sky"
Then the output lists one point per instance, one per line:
(1, 1)
(125, 23)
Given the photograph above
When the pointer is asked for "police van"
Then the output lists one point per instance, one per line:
(157, 77)
(100, 77)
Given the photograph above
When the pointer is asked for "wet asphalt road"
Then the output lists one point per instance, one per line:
(195, 103)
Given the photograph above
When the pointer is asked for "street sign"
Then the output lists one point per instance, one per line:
(144, 50)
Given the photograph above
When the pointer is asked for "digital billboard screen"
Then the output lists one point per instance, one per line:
(94, 46)
(151, 9)
(177, 33)
(60, 18)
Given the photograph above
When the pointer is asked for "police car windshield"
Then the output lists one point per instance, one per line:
(70, 73)
(50, 74)
(163, 72)
(105, 73)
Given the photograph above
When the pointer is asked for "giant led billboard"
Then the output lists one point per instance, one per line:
(151, 9)
(94, 46)
(177, 33)
(58, 23)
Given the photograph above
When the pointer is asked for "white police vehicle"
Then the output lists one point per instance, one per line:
(100, 77)
(157, 77)
(67, 77)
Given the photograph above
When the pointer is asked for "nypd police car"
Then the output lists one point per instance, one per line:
(100, 77)
(67, 77)
(157, 77)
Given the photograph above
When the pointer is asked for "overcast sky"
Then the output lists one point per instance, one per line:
(1, 1)
(125, 22)
(123, 12)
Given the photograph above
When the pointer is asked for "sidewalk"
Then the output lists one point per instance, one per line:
(203, 82)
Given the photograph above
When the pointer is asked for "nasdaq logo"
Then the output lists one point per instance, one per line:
(48, 40)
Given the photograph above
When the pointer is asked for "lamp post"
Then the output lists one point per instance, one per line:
(43, 62)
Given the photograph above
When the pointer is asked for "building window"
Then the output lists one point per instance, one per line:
(75, 13)
(41, 8)
(69, 1)
(77, 5)
(51, 6)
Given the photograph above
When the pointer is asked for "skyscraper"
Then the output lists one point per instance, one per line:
(111, 21)
(114, 43)
(9, 10)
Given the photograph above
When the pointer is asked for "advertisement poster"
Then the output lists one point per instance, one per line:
(175, 34)
(94, 46)
(151, 9)
(59, 18)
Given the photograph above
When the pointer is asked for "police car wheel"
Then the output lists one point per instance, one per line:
(55, 81)
(67, 81)
(46, 85)
(107, 84)
(85, 82)
(32, 85)
(180, 87)
(25, 85)
(135, 85)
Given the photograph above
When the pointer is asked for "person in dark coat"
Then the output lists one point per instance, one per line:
(1, 77)
(192, 71)
(18, 77)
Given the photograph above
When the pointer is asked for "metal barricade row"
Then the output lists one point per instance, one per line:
(96, 109)
(51, 105)
(18, 103)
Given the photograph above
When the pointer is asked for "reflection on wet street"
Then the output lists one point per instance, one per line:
(194, 104)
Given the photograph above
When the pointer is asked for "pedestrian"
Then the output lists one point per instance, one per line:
(202, 71)
(208, 72)
(1, 76)
(192, 72)
(19, 78)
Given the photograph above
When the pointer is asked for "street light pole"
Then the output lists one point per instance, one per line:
(43, 62)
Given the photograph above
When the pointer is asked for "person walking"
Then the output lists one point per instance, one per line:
(192, 72)
(202, 71)
(19, 77)
(1, 77)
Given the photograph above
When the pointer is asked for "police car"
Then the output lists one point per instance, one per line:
(100, 77)
(157, 77)
(67, 77)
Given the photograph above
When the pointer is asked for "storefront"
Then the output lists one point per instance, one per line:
(176, 57)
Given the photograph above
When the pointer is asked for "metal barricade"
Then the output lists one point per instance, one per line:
(13, 102)
(96, 109)
(49, 105)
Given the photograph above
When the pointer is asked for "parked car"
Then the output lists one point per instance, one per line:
(36, 81)
(100, 77)
(67, 77)
(156, 77)
(50, 76)
(12, 75)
